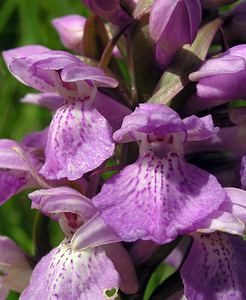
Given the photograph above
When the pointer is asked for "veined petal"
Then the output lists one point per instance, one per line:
(199, 128)
(80, 139)
(51, 101)
(67, 275)
(94, 233)
(61, 200)
(215, 268)
(158, 199)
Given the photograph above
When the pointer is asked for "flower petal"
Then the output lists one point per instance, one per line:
(51, 101)
(215, 268)
(149, 118)
(36, 139)
(11, 184)
(60, 200)
(79, 141)
(199, 128)
(94, 233)
(158, 199)
(112, 110)
(67, 275)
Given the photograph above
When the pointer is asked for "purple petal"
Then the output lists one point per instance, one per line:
(51, 101)
(38, 71)
(13, 54)
(199, 128)
(80, 72)
(215, 268)
(67, 275)
(13, 264)
(158, 199)
(236, 204)
(36, 139)
(11, 184)
(94, 233)
(71, 31)
(79, 141)
(149, 118)
(124, 265)
(112, 110)
(110, 10)
(62, 199)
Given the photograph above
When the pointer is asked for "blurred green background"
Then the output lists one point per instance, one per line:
(25, 22)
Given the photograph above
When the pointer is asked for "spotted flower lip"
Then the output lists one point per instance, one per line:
(220, 78)
(218, 267)
(184, 15)
(104, 269)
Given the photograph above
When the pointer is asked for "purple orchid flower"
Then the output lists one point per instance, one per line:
(173, 24)
(18, 169)
(110, 10)
(66, 273)
(222, 78)
(71, 31)
(15, 270)
(159, 196)
(77, 126)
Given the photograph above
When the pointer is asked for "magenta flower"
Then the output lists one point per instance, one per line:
(77, 126)
(159, 196)
(14, 267)
(222, 78)
(173, 24)
(69, 274)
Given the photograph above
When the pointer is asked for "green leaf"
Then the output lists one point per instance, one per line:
(187, 60)
(143, 6)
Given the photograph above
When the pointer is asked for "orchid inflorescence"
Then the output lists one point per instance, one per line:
(152, 93)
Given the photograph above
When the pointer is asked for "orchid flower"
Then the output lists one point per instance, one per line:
(77, 126)
(161, 195)
(66, 273)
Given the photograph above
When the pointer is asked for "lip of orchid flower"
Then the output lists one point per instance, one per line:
(146, 196)
(14, 266)
(218, 267)
(74, 209)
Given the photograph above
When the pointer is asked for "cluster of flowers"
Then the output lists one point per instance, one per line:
(179, 172)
